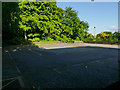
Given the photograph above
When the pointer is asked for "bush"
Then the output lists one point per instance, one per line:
(49, 39)
(34, 40)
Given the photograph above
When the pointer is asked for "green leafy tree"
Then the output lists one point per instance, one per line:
(116, 36)
(41, 20)
(74, 28)
(88, 37)
(10, 21)
(37, 21)
(104, 36)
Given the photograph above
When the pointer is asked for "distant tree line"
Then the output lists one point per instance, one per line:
(108, 36)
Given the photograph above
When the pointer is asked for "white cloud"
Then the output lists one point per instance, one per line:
(113, 28)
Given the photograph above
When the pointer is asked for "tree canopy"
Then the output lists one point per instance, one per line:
(35, 21)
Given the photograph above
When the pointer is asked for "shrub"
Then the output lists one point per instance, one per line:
(34, 39)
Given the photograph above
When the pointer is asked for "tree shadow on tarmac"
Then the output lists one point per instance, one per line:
(114, 85)
(30, 46)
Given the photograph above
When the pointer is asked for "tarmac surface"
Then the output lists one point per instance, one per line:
(62, 66)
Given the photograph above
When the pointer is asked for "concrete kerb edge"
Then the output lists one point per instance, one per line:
(48, 48)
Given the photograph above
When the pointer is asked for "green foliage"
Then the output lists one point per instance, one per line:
(77, 39)
(37, 21)
(10, 22)
(74, 28)
(116, 36)
(88, 37)
(45, 21)
(50, 22)
(34, 39)
(108, 36)
(49, 39)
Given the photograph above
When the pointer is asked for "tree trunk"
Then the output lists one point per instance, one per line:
(25, 36)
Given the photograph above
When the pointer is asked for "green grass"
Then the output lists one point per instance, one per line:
(51, 42)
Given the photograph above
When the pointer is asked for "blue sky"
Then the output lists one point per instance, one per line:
(102, 15)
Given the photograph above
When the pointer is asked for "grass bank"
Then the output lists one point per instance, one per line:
(51, 42)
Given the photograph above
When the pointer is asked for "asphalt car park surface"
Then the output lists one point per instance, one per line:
(68, 67)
